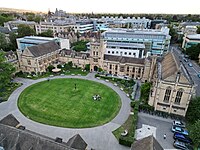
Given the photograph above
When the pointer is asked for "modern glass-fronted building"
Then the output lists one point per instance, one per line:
(156, 41)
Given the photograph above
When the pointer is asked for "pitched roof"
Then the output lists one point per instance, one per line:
(169, 66)
(12, 138)
(10, 120)
(44, 48)
(77, 142)
(123, 59)
(147, 143)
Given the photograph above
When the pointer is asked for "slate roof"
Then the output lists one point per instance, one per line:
(77, 142)
(122, 59)
(4, 30)
(147, 143)
(79, 54)
(15, 139)
(43, 49)
(9, 120)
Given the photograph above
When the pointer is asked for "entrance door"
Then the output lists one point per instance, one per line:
(95, 68)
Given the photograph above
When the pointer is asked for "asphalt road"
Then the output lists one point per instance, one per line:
(163, 126)
(193, 71)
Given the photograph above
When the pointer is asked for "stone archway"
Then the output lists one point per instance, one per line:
(96, 68)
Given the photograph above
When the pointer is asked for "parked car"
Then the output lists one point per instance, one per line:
(179, 130)
(185, 59)
(198, 75)
(183, 138)
(182, 145)
(178, 124)
(190, 64)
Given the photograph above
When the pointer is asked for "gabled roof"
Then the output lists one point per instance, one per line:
(10, 120)
(43, 49)
(147, 143)
(122, 59)
(169, 66)
(77, 142)
(15, 139)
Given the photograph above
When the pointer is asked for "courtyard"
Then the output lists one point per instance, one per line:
(98, 137)
(69, 103)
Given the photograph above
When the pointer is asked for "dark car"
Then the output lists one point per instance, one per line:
(183, 138)
(182, 145)
(179, 130)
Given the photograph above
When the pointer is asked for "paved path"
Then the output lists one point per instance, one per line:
(99, 138)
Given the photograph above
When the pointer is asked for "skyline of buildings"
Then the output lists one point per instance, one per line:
(78, 6)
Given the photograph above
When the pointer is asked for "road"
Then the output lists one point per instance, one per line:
(193, 71)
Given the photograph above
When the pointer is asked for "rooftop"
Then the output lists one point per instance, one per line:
(194, 37)
(42, 49)
(123, 59)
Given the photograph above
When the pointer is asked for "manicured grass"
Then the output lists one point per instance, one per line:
(57, 102)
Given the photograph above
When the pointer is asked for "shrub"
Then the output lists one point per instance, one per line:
(127, 141)
(49, 68)
(133, 104)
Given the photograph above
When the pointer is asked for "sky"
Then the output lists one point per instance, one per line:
(108, 6)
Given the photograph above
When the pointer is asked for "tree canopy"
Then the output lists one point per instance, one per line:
(6, 71)
(80, 46)
(145, 90)
(193, 52)
(193, 112)
(25, 30)
(5, 18)
(195, 133)
(48, 33)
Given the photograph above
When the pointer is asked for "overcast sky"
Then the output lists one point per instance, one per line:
(108, 6)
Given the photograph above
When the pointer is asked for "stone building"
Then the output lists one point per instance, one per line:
(11, 57)
(38, 58)
(172, 86)
(79, 59)
(117, 65)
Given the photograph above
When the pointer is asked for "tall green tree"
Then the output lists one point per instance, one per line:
(25, 30)
(6, 71)
(48, 33)
(193, 112)
(145, 91)
(3, 41)
(195, 133)
(193, 52)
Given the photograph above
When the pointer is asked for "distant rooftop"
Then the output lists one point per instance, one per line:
(194, 37)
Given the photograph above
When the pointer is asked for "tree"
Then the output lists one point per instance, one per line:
(13, 37)
(87, 67)
(195, 133)
(145, 90)
(5, 18)
(48, 33)
(3, 41)
(6, 71)
(173, 33)
(193, 112)
(193, 52)
(25, 30)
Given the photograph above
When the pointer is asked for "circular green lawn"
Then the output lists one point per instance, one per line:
(58, 103)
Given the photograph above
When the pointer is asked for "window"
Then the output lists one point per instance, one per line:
(93, 53)
(110, 66)
(95, 60)
(29, 62)
(167, 94)
(133, 69)
(129, 53)
(127, 69)
(113, 52)
(97, 53)
(125, 53)
(117, 52)
(178, 96)
(108, 52)
(116, 67)
(122, 69)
